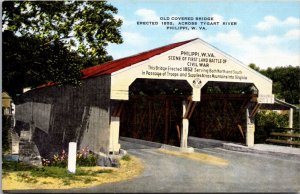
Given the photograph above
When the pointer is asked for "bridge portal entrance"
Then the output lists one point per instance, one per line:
(221, 113)
(154, 110)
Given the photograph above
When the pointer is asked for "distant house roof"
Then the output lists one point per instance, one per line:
(6, 99)
(278, 105)
(113, 66)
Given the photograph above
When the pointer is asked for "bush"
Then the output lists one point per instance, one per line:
(84, 157)
(126, 158)
(60, 160)
(270, 119)
(296, 117)
(12, 166)
(6, 124)
(265, 121)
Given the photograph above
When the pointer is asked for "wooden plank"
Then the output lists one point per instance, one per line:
(178, 132)
(192, 110)
(241, 130)
(285, 134)
(159, 97)
(167, 110)
(114, 112)
(187, 111)
(160, 112)
(218, 123)
(136, 129)
(120, 109)
(255, 110)
(150, 117)
(286, 129)
(283, 142)
(117, 109)
(228, 96)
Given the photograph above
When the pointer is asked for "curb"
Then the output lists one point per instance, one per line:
(201, 143)
(157, 145)
(143, 142)
(198, 142)
(241, 148)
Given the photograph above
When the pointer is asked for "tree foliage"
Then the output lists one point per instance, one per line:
(6, 123)
(286, 82)
(40, 39)
(30, 62)
(270, 119)
(86, 25)
(265, 121)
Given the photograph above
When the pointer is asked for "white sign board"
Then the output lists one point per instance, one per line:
(196, 62)
(72, 157)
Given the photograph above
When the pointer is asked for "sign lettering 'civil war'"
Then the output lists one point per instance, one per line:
(194, 65)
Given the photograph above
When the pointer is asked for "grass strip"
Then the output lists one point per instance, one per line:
(201, 157)
(22, 176)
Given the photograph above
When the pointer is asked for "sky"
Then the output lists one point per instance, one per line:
(266, 33)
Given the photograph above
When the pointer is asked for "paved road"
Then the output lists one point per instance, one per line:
(246, 172)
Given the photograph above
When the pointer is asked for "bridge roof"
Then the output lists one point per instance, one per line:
(115, 65)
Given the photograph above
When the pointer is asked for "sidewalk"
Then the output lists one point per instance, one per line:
(269, 149)
(200, 143)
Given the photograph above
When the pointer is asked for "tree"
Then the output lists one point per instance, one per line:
(286, 82)
(88, 26)
(30, 62)
(57, 28)
(6, 123)
(253, 66)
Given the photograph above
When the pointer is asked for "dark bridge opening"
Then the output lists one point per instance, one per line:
(221, 113)
(154, 110)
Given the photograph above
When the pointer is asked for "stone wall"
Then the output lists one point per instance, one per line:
(28, 150)
(57, 115)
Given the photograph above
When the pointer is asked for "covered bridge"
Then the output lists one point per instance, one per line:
(161, 95)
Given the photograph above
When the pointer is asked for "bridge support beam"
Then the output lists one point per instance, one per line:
(250, 130)
(116, 109)
(185, 126)
(188, 108)
(291, 118)
(184, 133)
(114, 145)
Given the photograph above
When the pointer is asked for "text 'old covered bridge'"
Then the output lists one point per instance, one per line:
(163, 95)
